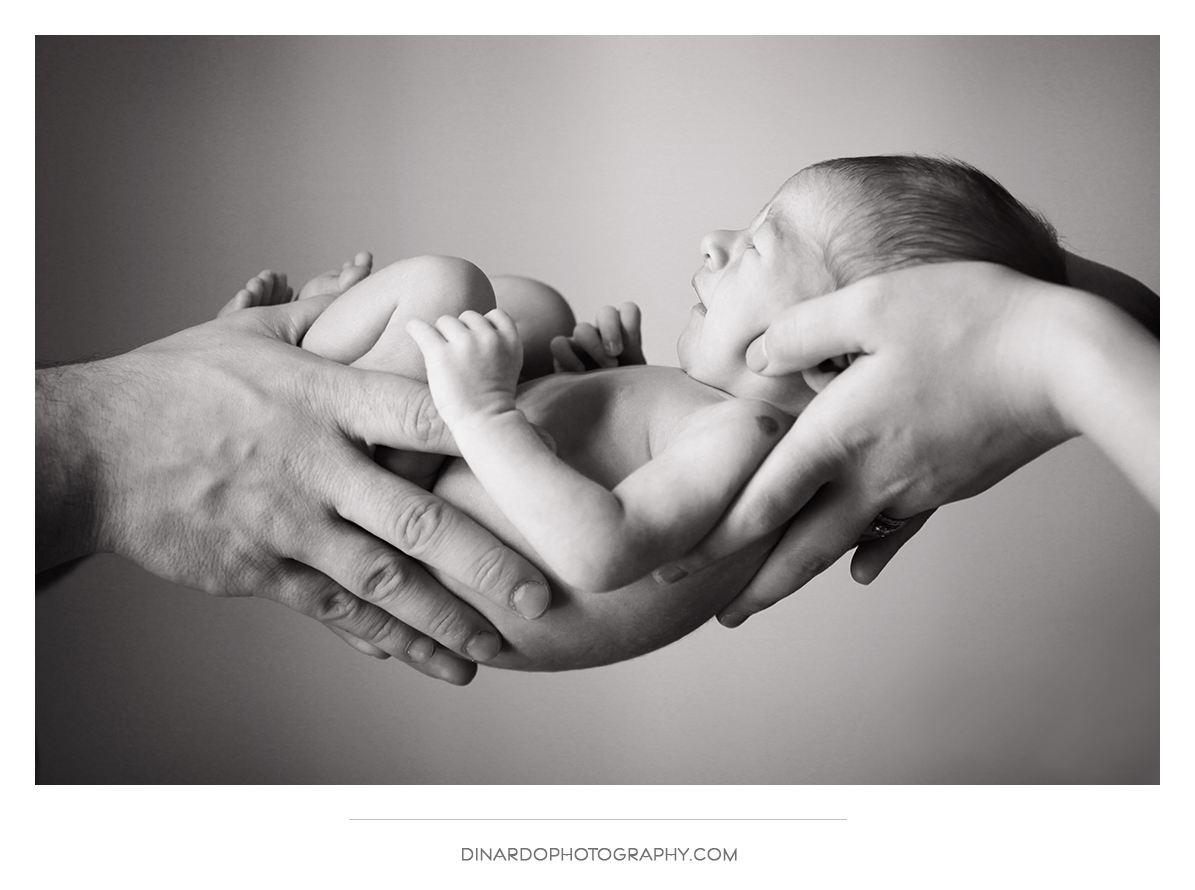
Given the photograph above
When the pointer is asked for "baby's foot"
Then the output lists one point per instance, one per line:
(265, 289)
(334, 282)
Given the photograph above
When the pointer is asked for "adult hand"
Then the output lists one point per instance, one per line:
(945, 396)
(226, 459)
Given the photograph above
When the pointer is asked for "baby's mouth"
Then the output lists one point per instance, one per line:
(700, 307)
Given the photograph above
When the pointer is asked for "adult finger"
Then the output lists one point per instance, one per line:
(360, 645)
(872, 556)
(823, 531)
(317, 596)
(803, 461)
(805, 335)
(609, 326)
(379, 575)
(385, 409)
(433, 532)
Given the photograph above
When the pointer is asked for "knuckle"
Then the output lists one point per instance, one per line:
(445, 623)
(420, 418)
(489, 570)
(417, 523)
(337, 607)
(809, 564)
(385, 579)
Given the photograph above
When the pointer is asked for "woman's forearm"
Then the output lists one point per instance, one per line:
(1104, 382)
(1118, 288)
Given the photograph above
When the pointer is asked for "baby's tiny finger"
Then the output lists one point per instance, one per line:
(475, 321)
(609, 324)
(503, 323)
(586, 336)
(564, 356)
(425, 336)
(451, 328)
(632, 348)
(631, 317)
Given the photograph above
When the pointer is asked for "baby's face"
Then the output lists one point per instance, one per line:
(747, 278)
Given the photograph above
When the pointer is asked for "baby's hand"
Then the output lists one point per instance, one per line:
(472, 362)
(614, 339)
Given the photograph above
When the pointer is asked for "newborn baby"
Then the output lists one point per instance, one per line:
(601, 477)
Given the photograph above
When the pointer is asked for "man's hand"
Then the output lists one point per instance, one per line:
(227, 459)
(944, 397)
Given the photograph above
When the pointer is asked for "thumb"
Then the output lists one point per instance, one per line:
(800, 464)
(290, 322)
(386, 409)
(805, 335)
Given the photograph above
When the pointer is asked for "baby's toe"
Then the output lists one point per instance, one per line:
(355, 270)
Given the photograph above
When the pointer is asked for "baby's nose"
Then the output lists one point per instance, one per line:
(715, 248)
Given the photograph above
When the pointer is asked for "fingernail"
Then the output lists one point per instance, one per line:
(420, 650)
(757, 355)
(613, 348)
(732, 619)
(483, 646)
(530, 599)
(669, 574)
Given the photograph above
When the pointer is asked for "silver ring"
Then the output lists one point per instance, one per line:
(882, 525)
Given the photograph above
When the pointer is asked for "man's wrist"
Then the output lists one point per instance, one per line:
(68, 464)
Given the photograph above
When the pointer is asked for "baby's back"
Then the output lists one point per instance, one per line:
(606, 424)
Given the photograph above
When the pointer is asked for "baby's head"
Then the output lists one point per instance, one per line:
(832, 224)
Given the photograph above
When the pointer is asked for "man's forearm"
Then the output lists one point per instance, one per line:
(66, 465)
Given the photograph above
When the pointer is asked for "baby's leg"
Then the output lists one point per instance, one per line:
(540, 313)
(366, 328)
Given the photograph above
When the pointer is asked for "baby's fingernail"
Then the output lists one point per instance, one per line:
(530, 599)
(613, 348)
(732, 619)
(420, 650)
(757, 355)
(669, 574)
(483, 646)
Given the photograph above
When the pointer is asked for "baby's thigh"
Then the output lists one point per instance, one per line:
(366, 325)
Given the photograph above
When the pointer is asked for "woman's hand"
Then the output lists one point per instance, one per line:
(960, 376)
(227, 459)
(613, 339)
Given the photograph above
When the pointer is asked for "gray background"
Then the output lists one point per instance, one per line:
(1015, 640)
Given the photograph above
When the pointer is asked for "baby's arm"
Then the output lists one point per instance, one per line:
(591, 537)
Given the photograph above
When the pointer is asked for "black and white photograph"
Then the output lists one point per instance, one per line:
(598, 411)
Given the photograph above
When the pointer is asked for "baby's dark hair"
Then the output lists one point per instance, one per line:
(904, 210)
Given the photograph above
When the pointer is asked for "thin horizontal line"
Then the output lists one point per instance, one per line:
(593, 819)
